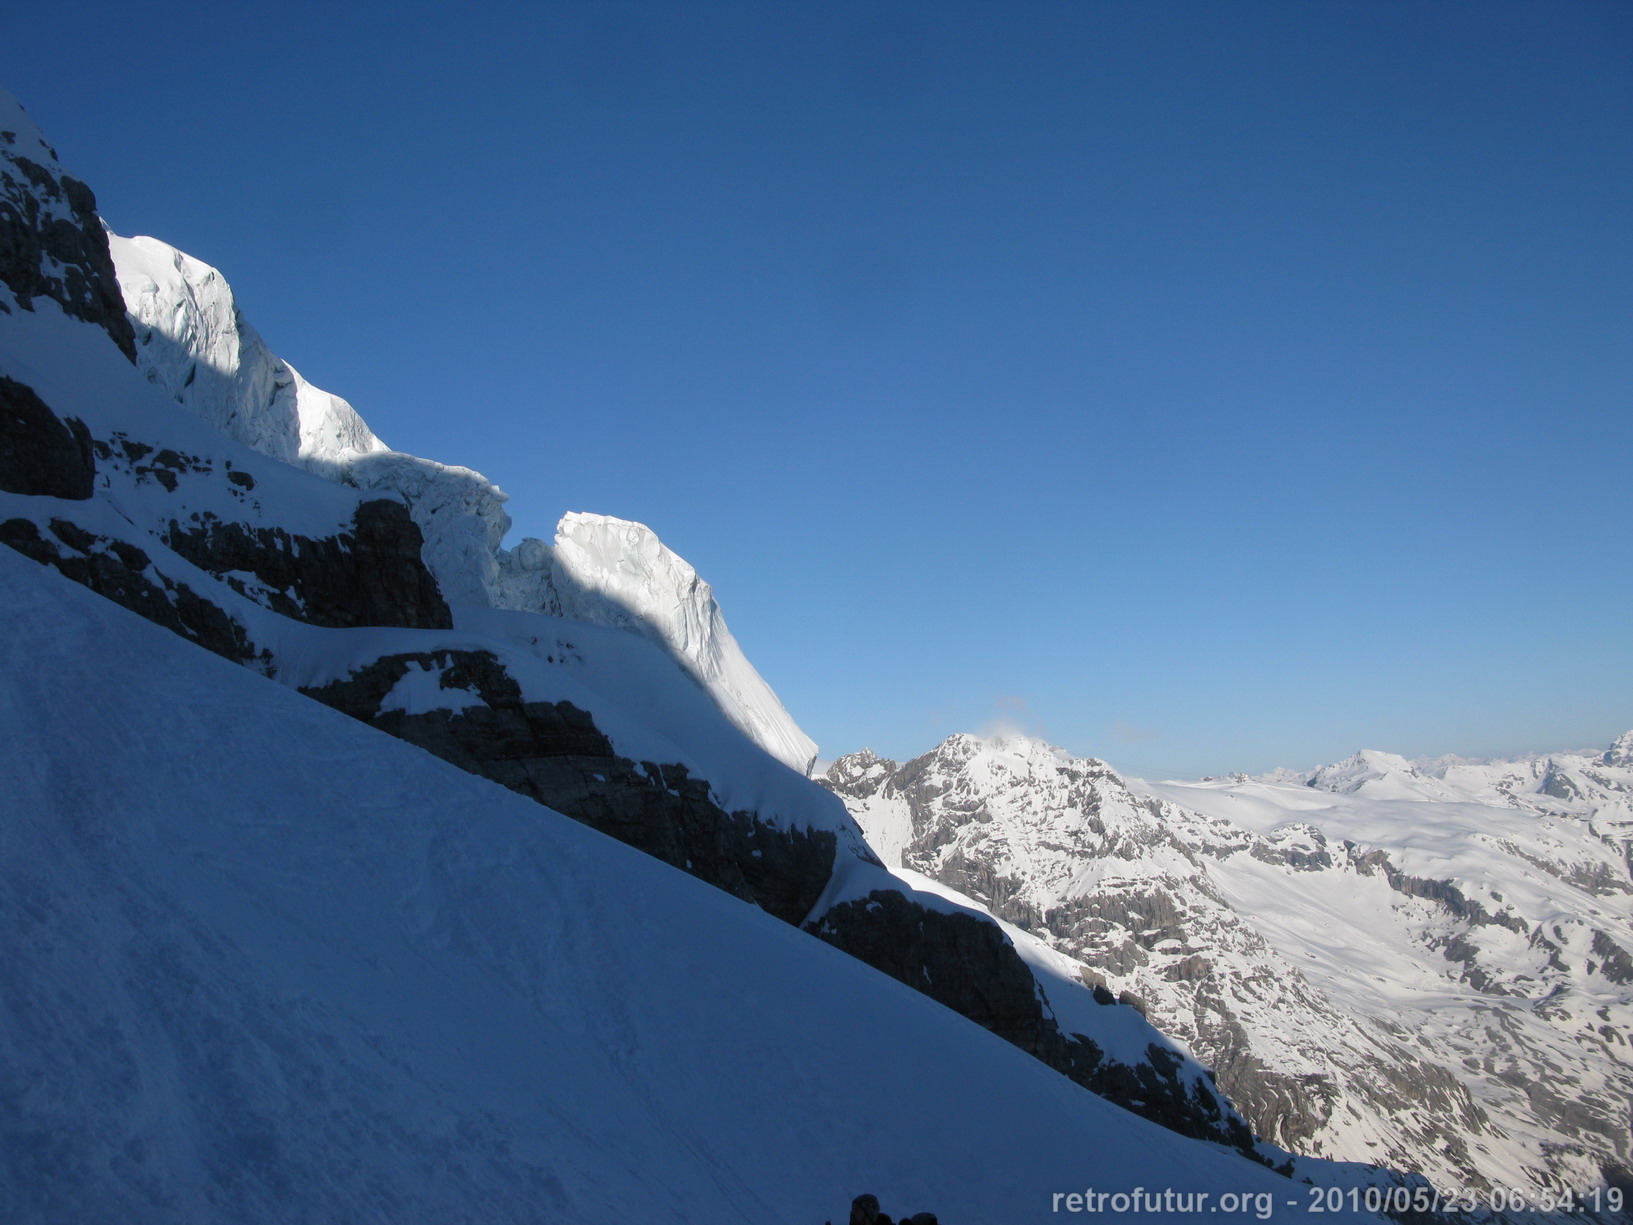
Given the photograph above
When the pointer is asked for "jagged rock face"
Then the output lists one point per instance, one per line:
(41, 455)
(860, 775)
(1356, 998)
(371, 575)
(957, 960)
(51, 240)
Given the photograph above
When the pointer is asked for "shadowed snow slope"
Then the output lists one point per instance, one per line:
(612, 571)
(266, 964)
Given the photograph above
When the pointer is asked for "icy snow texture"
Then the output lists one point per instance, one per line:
(194, 343)
(197, 346)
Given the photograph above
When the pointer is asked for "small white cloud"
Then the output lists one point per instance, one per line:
(1010, 717)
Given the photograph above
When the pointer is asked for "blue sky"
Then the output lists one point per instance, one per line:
(1201, 386)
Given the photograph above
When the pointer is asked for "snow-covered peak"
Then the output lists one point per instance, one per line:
(195, 344)
(25, 137)
(1343, 953)
(1012, 755)
(1621, 752)
(616, 572)
(860, 774)
(1379, 775)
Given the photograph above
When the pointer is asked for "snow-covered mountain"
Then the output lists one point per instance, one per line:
(192, 341)
(165, 461)
(1424, 964)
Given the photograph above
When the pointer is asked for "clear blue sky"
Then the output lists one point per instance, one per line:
(1205, 386)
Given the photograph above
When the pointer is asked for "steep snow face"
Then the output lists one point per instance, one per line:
(345, 981)
(644, 727)
(1382, 967)
(614, 572)
(194, 344)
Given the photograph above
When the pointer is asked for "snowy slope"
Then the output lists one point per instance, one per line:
(265, 964)
(611, 571)
(1406, 968)
(194, 343)
(646, 705)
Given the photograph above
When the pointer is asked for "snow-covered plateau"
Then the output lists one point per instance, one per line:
(322, 845)
(1423, 964)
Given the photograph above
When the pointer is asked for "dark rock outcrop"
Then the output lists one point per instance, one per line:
(969, 965)
(1450, 898)
(40, 454)
(552, 752)
(1615, 963)
(52, 245)
(372, 575)
(865, 1211)
(958, 960)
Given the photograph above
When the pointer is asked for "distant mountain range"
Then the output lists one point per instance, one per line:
(1425, 964)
